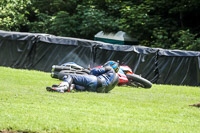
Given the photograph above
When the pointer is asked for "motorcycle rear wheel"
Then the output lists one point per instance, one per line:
(135, 80)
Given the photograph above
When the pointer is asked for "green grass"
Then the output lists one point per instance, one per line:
(26, 106)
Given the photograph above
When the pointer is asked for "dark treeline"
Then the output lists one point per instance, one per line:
(155, 23)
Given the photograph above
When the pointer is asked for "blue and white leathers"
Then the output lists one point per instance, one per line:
(100, 80)
(83, 82)
(108, 78)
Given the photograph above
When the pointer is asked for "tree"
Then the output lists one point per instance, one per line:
(14, 14)
(163, 23)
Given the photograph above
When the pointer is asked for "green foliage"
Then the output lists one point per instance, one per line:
(185, 40)
(165, 23)
(63, 24)
(52, 7)
(90, 16)
(160, 38)
(136, 20)
(26, 106)
(13, 14)
(42, 24)
(182, 39)
(159, 23)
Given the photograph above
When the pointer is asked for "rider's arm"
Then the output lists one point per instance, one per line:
(99, 71)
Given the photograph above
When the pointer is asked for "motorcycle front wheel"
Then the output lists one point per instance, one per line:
(135, 80)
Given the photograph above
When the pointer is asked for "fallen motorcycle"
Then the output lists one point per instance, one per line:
(126, 75)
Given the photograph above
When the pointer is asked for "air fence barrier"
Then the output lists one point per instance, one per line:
(41, 51)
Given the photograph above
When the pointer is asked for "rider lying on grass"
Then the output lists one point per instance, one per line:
(102, 80)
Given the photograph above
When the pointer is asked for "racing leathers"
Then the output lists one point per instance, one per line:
(101, 80)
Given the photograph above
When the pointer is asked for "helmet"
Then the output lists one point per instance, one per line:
(113, 64)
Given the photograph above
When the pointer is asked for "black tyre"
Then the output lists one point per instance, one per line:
(135, 80)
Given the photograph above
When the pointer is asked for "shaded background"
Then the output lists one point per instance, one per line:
(41, 51)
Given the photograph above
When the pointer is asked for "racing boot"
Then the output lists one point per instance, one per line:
(68, 79)
(63, 87)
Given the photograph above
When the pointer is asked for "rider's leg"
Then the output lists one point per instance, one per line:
(64, 86)
(89, 82)
(80, 88)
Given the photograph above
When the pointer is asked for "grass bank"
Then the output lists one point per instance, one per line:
(26, 106)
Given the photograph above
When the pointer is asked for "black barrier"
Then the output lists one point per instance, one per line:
(57, 50)
(16, 48)
(41, 51)
(179, 67)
